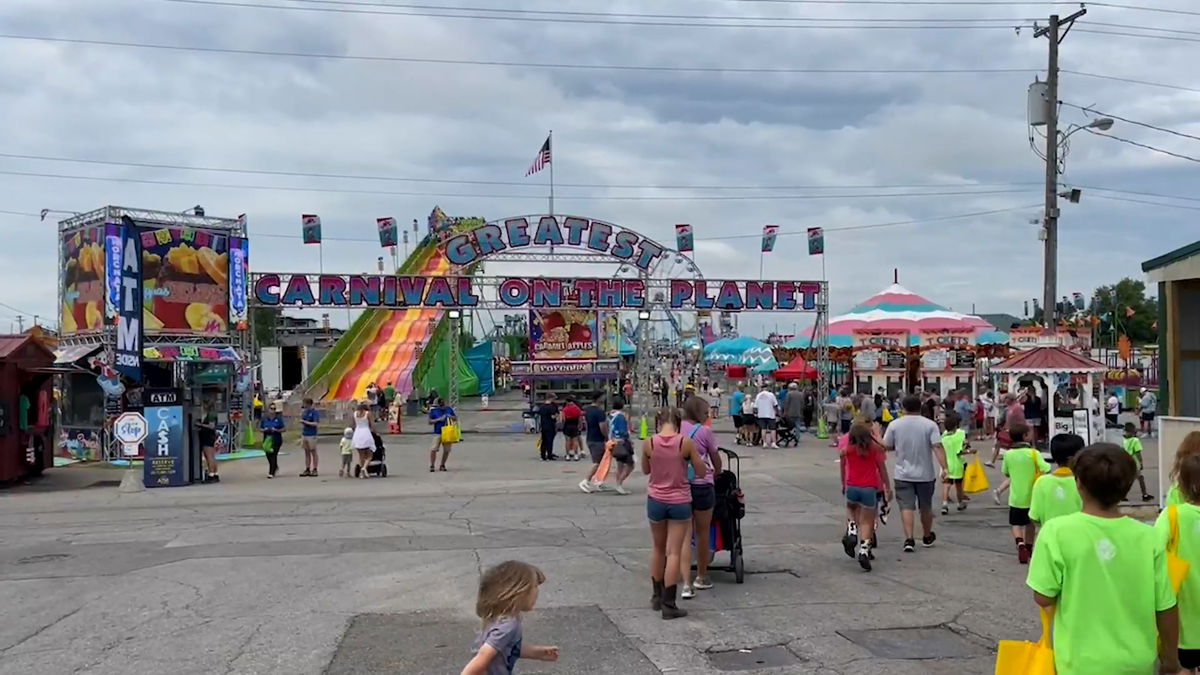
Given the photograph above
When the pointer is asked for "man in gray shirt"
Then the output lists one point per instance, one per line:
(917, 443)
(966, 411)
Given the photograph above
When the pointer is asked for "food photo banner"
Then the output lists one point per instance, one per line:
(271, 289)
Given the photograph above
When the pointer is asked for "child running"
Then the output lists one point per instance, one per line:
(346, 447)
(1022, 465)
(1055, 494)
(1178, 527)
(864, 474)
(1133, 445)
(506, 592)
(955, 442)
(1104, 575)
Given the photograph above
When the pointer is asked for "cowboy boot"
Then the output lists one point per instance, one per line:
(669, 609)
(656, 597)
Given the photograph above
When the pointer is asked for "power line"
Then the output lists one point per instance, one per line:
(1131, 80)
(1160, 10)
(1147, 201)
(518, 64)
(291, 188)
(1135, 192)
(1144, 146)
(1101, 113)
(303, 174)
(606, 15)
(1138, 35)
(972, 3)
(591, 21)
(1124, 25)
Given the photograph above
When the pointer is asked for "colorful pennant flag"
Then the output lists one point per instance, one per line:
(310, 228)
(387, 231)
(1154, 326)
(816, 241)
(1129, 312)
(1078, 297)
(241, 220)
(770, 232)
(684, 240)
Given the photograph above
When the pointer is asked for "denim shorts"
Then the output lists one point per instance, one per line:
(658, 511)
(865, 496)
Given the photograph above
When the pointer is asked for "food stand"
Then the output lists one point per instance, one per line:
(1057, 370)
(947, 360)
(880, 360)
(25, 406)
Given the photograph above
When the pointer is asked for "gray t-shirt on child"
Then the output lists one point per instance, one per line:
(914, 438)
(505, 637)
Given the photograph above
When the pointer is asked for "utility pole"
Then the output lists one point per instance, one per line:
(1050, 282)
(20, 324)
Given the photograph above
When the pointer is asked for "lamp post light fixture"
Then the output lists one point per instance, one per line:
(643, 315)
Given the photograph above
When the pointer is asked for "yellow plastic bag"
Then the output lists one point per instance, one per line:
(450, 433)
(1177, 567)
(974, 478)
(1027, 658)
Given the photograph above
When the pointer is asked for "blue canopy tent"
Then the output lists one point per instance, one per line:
(479, 358)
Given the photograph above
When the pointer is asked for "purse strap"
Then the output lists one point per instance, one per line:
(1047, 623)
(1173, 519)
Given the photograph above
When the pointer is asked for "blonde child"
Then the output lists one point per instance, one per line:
(1022, 465)
(346, 447)
(1133, 445)
(1186, 474)
(1104, 576)
(1190, 446)
(954, 441)
(506, 592)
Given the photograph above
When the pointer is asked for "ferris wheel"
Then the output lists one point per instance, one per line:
(665, 327)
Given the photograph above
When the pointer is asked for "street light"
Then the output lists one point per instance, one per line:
(454, 313)
(644, 315)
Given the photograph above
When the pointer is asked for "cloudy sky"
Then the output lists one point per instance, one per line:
(724, 146)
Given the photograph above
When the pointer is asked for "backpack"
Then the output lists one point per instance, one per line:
(691, 470)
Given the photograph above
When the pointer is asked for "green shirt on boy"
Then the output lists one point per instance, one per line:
(1174, 496)
(954, 443)
(1188, 517)
(1022, 465)
(1133, 445)
(1055, 494)
(1109, 576)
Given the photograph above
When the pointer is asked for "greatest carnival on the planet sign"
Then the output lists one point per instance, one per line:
(466, 248)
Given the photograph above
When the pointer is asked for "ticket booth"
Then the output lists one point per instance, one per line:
(880, 361)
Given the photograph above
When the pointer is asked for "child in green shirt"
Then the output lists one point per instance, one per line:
(1186, 474)
(1055, 494)
(955, 442)
(1022, 464)
(1104, 576)
(1188, 447)
(1133, 445)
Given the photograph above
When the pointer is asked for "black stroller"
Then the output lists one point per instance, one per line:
(786, 433)
(726, 532)
(378, 464)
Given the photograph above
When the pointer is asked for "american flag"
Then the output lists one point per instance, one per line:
(542, 159)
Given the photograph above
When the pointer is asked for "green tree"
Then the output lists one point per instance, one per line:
(262, 322)
(1112, 305)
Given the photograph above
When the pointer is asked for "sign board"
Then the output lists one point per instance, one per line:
(165, 464)
(889, 350)
(563, 334)
(130, 429)
(128, 353)
(1083, 424)
(272, 289)
(566, 369)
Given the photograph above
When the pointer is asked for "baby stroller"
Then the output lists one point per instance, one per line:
(378, 464)
(726, 533)
(787, 433)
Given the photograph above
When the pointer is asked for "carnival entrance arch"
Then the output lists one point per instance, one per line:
(651, 279)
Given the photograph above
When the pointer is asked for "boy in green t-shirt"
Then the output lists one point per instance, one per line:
(955, 442)
(1186, 515)
(1055, 494)
(1105, 577)
(1133, 445)
(1022, 464)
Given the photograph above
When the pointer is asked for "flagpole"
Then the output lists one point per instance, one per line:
(550, 140)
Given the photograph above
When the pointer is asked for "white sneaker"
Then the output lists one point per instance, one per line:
(702, 584)
(774, 446)
(996, 497)
(620, 489)
(585, 485)
(687, 593)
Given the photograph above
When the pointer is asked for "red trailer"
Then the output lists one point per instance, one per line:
(26, 407)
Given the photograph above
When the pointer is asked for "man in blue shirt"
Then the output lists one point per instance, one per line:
(596, 427)
(735, 409)
(440, 415)
(309, 419)
(272, 428)
(618, 432)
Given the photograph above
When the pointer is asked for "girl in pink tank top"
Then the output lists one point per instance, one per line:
(665, 457)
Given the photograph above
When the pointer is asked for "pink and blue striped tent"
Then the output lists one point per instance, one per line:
(897, 308)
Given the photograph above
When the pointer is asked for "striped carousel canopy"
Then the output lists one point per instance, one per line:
(897, 308)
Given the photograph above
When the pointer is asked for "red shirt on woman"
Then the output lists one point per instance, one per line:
(862, 470)
(572, 412)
